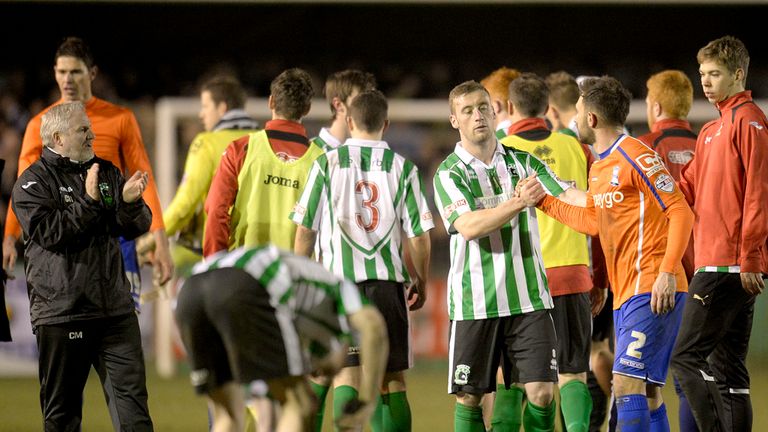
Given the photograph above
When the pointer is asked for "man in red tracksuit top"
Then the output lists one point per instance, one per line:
(669, 99)
(727, 186)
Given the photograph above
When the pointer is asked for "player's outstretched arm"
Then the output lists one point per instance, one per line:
(582, 219)
(374, 350)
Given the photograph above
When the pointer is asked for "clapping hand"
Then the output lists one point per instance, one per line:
(92, 182)
(134, 187)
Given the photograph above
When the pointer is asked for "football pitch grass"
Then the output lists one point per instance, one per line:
(174, 406)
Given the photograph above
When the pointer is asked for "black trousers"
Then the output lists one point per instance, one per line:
(67, 352)
(709, 360)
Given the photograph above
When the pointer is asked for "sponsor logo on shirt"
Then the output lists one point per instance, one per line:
(665, 183)
(543, 153)
(607, 199)
(680, 157)
(650, 163)
(426, 216)
(28, 184)
(461, 374)
(756, 125)
(708, 140)
(65, 189)
(450, 208)
(493, 201)
(281, 181)
(512, 170)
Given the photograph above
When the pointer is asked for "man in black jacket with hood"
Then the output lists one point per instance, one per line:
(72, 207)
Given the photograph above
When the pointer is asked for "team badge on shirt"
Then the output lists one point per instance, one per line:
(665, 183)
(615, 176)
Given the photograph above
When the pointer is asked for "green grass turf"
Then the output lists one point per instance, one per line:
(174, 406)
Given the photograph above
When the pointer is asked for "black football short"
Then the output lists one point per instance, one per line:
(524, 344)
(232, 332)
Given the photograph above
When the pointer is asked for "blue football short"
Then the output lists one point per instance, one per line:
(644, 341)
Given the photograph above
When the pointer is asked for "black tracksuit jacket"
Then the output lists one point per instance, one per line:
(74, 266)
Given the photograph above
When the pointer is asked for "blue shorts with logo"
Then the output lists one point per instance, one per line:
(644, 341)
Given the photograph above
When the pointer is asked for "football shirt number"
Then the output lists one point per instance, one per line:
(369, 192)
(633, 349)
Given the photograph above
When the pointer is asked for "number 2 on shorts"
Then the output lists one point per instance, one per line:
(633, 349)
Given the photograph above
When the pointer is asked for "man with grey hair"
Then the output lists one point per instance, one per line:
(72, 207)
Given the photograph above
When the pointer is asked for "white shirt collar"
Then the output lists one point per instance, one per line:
(366, 143)
(329, 139)
(467, 157)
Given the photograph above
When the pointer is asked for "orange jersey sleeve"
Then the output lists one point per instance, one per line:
(581, 219)
(31, 148)
(134, 158)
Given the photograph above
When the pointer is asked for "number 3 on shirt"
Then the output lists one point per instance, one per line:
(369, 192)
(633, 349)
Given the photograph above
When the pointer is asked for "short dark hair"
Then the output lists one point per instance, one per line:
(563, 90)
(728, 51)
(608, 98)
(369, 110)
(226, 89)
(529, 94)
(292, 93)
(77, 48)
(343, 83)
(465, 88)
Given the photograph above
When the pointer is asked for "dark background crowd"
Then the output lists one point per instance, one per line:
(148, 50)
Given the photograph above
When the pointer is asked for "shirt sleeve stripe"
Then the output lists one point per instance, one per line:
(644, 177)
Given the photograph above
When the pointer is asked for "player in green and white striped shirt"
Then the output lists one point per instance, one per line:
(371, 195)
(265, 318)
(498, 299)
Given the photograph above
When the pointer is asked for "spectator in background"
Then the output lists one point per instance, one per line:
(72, 206)
(117, 139)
